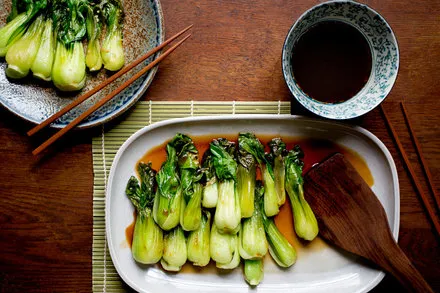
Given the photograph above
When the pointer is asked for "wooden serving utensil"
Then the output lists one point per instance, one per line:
(351, 216)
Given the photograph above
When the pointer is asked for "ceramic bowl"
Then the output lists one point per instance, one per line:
(384, 51)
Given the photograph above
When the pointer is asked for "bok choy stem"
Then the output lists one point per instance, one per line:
(252, 145)
(22, 53)
(175, 250)
(280, 249)
(190, 175)
(199, 242)
(167, 204)
(306, 225)
(147, 246)
(246, 175)
(224, 249)
(252, 238)
(112, 51)
(210, 189)
(227, 215)
(277, 153)
(22, 14)
(43, 62)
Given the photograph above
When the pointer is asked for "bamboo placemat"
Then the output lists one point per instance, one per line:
(104, 148)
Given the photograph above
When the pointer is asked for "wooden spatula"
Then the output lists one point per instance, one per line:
(351, 216)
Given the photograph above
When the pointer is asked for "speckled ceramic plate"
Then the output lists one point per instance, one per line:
(34, 101)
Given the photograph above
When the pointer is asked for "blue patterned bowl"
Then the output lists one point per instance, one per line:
(35, 102)
(384, 49)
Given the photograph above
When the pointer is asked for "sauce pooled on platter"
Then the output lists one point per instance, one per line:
(315, 150)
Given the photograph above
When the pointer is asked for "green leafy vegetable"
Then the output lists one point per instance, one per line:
(112, 51)
(93, 25)
(198, 242)
(246, 174)
(167, 204)
(175, 250)
(43, 62)
(279, 248)
(188, 162)
(252, 145)
(147, 246)
(227, 215)
(14, 10)
(253, 243)
(22, 53)
(210, 189)
(304, 219)
(253, 271)
(22, 13)
(69, 69)
(276, 157)
(224, 249)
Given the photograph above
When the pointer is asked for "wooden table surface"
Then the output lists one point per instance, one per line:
(234, 54)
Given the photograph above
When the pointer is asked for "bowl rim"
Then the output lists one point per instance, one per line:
(312, 101)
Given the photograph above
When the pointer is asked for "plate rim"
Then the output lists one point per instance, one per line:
(395, 230)
(121, 110)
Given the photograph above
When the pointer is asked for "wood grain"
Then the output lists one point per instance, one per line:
(105, 83)
(415, 180)
(105, 99)
(351, 217)
(234, 54)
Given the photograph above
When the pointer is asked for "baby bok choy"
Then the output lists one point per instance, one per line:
(252, 238)
(304, 219)
(15, 6)
(190, 175)
(93, 25)
(253, 271)
(21, 54)
(69, 69)
(42, 65)
(253, 145)
(167, 203)
(210, 188)
(227, 215)
(224, 249)
(112, 52)
(276, 157)
(22, 14)
(279, 248)
(198, 242)
(147, 246)
(246, 174)
(175, 250)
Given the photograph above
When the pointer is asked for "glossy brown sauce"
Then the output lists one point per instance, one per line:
(315, 150)
(331, 61)
(130, 230)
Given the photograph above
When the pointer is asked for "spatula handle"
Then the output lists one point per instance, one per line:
(397, 263)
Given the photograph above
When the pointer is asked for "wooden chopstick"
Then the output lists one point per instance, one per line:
(112, 78)
(413, 176)
(420, 155)
(104, 100)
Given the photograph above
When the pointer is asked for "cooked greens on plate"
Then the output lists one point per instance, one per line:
(218, 209)
(47, 37)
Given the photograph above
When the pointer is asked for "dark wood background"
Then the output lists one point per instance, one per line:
(234, 54)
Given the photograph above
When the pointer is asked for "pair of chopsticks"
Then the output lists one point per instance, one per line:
(425, 200)
(108, 97)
